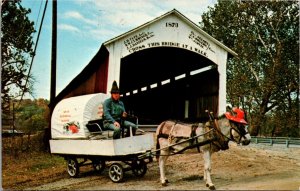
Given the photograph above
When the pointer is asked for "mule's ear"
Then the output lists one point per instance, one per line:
(228, 107)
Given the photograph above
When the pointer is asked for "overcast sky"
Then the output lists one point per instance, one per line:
(83, 25)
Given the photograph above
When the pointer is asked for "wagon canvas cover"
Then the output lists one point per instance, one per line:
(71, 115)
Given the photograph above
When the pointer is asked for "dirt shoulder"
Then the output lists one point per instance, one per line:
(254, 167)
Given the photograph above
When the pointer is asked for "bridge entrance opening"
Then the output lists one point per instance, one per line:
(169, 83)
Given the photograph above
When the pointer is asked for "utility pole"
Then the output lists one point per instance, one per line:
(47, 135)
(53, 54)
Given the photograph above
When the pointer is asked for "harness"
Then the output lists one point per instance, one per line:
(192, 139)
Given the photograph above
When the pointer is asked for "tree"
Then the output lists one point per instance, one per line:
(32, 115)
(16, 48)
(264, 78)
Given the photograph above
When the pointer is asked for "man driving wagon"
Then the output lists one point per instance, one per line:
(115, 113)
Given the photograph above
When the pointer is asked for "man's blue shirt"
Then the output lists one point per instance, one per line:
(113, 110)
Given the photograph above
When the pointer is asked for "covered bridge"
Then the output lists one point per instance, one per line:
(167, 68)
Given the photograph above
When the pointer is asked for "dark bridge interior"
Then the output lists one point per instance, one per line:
(163, 83)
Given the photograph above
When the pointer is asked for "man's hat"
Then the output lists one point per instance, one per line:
(114, 88)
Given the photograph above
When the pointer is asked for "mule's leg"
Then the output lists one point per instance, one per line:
(162, 162)
(207, 169)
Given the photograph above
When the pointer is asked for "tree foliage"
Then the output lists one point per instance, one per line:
(264, 78)
(32, 115)
(16, 48)
(29, 115)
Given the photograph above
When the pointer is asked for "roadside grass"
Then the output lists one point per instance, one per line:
(23, 169)
(31, 169)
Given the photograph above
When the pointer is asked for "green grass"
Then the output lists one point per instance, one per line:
(46, 163)
(31, 169)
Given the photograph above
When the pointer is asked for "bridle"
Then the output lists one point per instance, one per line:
(240, 131)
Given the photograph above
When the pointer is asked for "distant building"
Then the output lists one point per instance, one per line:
(167, 68)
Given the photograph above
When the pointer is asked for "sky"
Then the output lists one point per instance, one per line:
(82, 27)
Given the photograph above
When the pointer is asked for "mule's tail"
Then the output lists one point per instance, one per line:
(157, 153)
(158, 133)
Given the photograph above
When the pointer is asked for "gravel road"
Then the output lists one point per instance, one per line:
(253, 167)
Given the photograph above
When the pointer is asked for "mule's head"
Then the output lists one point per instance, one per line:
(239, 133)
(238, 127)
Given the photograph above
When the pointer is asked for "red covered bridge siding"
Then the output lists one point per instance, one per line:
(92, 79)
(166, 68)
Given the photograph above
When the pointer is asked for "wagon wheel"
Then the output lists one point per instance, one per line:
(115, 172)
(99, 165)
(139, 168)
(72, 167)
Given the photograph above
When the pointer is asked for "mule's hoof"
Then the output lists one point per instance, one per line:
(165, 183)
(212, 187)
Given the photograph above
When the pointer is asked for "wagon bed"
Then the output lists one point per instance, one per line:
(103, 147)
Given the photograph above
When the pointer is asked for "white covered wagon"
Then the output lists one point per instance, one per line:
(78, 135)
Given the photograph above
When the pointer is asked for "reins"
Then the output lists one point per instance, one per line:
(198, 144)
